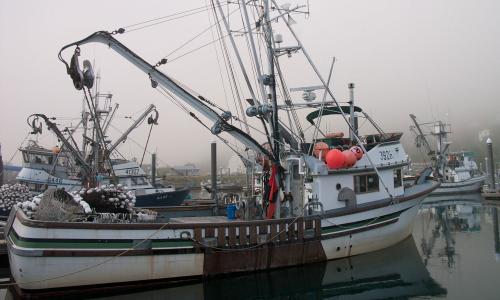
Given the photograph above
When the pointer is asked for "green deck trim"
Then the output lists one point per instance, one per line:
(171, 244)
(355, 225)
(90, 244)
(41, 244)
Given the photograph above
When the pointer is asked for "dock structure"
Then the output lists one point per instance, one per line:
(491, 191)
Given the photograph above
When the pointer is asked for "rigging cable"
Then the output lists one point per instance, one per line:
(194, 37)
(147, 142)
(229, 66)
(174, 16)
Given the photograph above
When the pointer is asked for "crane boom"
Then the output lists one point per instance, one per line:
(157, 77)
(85, 166)
(421, 134)
(129, 130)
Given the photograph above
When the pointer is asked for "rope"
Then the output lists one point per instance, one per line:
(147, 141)
(176, 16)
(196, 36)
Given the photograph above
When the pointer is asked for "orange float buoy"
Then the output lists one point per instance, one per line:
(350, 158)
(320, 150)
(335, 159)
(358, 152)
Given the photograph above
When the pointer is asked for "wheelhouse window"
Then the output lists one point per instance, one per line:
(398, 178)
(139, 181)
(37, 158)
(366, 183)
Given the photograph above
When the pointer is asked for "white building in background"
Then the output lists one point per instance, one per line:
(235, 165)
(188, 169)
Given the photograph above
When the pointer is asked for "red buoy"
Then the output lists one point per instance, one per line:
(350, 158)
(320, 149)
(335, 159)
(358, 152)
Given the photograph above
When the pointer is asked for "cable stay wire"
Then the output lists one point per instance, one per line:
(174, 16)
(230, 70)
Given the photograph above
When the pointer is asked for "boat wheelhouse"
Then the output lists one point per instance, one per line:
(44, 168)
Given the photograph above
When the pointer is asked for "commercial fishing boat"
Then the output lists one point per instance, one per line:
(457, 171)
(321, 198)
(62, 167)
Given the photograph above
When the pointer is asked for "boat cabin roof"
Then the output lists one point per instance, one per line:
(370, 140)
(331, 110)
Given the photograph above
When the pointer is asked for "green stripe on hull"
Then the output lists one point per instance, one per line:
(172, 244)
(65, 245)
(54, 244)
(355, 225)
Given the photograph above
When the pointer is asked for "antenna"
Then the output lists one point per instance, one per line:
(308, 92)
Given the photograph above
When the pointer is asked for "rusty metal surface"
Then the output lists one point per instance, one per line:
(267, 256)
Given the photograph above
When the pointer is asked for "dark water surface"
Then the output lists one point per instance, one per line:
(454, 253)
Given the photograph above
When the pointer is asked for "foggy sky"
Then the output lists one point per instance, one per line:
(436, 59)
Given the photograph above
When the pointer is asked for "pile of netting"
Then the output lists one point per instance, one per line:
(105, 204)
(105, 199)
(16, 194)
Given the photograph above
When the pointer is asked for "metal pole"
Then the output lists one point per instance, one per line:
(213, 152)
(491, 164)
(352, 119)
(1, 166)
(153, 169)
(272, 86)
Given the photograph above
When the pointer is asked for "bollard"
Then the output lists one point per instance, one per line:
(153, 170)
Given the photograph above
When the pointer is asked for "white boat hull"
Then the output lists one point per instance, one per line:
(59, 272)
(47, 255)
(467, 186)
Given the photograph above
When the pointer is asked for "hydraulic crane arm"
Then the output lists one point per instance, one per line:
(123, 137)
(157, 77)
(421, 134)
(51, 126)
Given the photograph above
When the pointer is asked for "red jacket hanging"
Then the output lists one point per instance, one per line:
(273, 192)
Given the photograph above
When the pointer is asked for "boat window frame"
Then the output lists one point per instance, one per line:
(397, 174)
(367, 188)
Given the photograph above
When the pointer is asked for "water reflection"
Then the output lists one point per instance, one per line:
(396, 272)
(496, 236)
(458, 239)
(442, 219)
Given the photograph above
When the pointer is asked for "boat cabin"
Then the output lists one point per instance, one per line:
(460, 166)
(337, 139)
(354, 185)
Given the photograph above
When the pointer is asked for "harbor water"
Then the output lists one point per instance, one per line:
(454, 253)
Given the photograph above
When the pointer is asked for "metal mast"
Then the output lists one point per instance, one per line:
(271, 81)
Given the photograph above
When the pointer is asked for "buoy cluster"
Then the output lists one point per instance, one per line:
(108, 198)
(335, 158)
(12, 194)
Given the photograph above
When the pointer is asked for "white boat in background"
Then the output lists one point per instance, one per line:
(457, 171)
(68, 166)
(44, 168)
(461, 175)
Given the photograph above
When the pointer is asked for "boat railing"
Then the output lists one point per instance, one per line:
(245, 234)
(230, 234)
